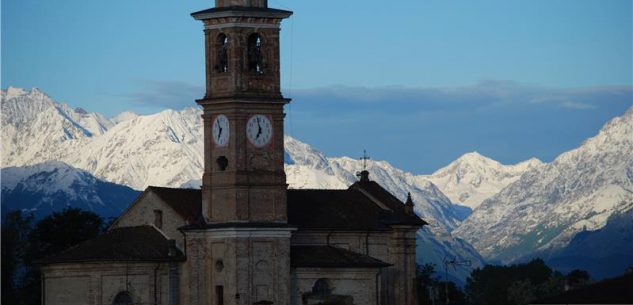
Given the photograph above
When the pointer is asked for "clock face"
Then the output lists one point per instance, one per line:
(259, 130)
(220, 130)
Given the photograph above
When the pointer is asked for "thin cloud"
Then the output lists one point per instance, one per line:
(505, 120)
(482, 95)
(579, 106)
(167, 94)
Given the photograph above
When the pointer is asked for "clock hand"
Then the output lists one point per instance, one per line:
(259, 128)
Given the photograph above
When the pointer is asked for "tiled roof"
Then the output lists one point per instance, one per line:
(334, 209)
(141, 243)
(331, 257)
(352, 209)
(399, 216)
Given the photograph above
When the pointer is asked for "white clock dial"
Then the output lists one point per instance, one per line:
(259, 130)
(220, 130)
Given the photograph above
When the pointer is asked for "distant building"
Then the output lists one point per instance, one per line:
(244, 238)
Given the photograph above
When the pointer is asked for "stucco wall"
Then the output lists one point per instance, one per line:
(374, 244)
(396, 247)
(142, 213)
(360, 284)
(98, 284)
(67, 290)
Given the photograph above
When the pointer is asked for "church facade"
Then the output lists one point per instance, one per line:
(245, 238)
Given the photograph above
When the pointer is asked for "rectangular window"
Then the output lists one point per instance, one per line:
(158, 218)
(219, 295)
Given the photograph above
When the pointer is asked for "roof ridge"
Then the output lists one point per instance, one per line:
(172, 188)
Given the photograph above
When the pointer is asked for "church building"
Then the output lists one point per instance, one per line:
(244, 238)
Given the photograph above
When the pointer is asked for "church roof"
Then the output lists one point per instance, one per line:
(141, 243)
(399, 216)
(365, 206)
(342, 210)
(331, 257)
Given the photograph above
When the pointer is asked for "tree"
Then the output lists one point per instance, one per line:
(427, 284)
(15, 228)
(512, 285)
(521, 292)
(432, 291)
(455, 294)
(577, 278)
(52, 234)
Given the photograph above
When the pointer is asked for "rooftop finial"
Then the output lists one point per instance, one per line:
(408, 206)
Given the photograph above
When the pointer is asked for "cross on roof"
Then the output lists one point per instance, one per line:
(364, 158)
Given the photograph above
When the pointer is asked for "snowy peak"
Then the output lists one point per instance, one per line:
(163, 149)
(20, 107)
(124, 116)
(545, 208)
(12, 92)
(304, 154)
(39, 129)
(311, 169)
(51, 186)
(472, 178)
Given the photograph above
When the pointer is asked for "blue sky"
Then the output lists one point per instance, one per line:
(414, 82)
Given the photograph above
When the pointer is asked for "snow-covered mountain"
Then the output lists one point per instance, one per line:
(473, 178)
(165, 149)
(37, 129)
(605, 252)
(161, 149)
(51, 186)
(546, 207)
(309, 168)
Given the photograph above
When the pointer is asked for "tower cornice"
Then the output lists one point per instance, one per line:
(266, 100)
(240, 11)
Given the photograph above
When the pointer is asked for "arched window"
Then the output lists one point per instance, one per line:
(123, 298)
(255, 58)
(222, 47)
(321, 288)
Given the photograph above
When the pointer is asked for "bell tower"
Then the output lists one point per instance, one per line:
(244, 179)
(240, 254)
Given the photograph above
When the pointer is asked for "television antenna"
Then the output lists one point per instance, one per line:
(451, 262)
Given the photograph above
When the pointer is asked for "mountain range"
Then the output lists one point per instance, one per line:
(165, 149)
(546, 207)
(50, 186)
